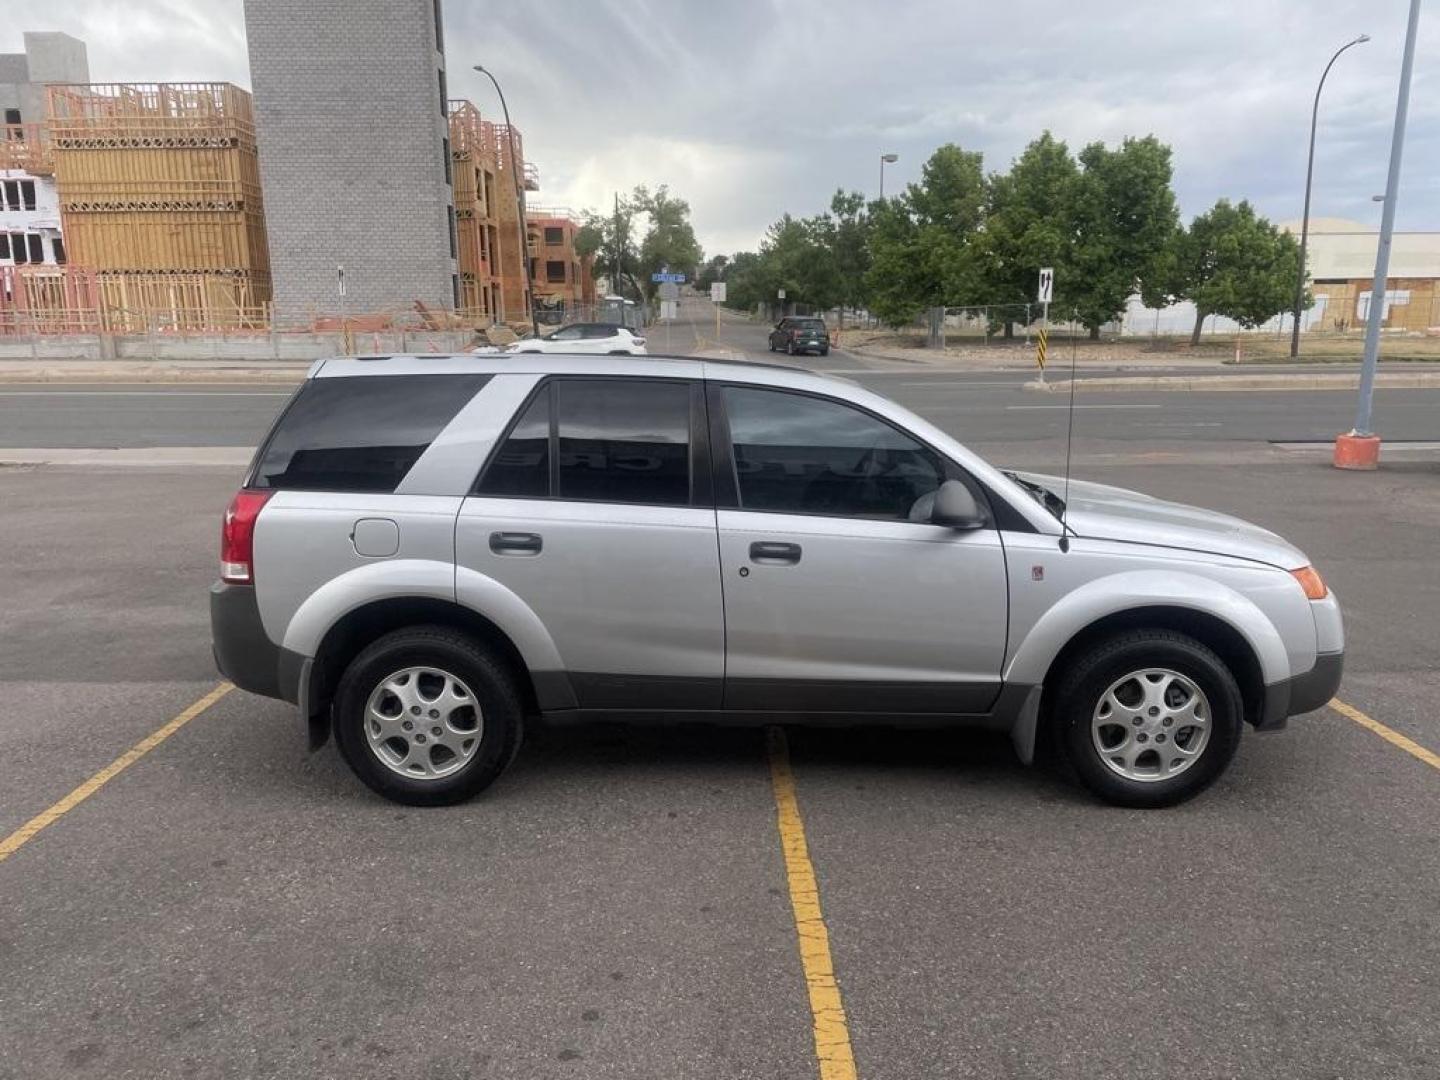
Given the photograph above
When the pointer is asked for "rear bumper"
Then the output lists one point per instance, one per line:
(1302, 693)
(243, 652)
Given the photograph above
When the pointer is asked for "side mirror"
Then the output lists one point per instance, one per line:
(956, 508)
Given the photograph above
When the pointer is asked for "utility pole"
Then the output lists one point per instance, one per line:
(1360, 449)
(617, 246)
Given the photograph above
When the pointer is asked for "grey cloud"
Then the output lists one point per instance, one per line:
(753, 108)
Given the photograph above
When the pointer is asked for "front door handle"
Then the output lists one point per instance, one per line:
(774, 552)
(515, 543)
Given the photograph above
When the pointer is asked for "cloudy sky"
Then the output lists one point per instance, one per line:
(749, 108)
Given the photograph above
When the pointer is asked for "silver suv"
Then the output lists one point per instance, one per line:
(430, 551)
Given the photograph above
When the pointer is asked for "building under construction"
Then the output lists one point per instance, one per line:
(562, 280)
(492, 269)
(160, 198)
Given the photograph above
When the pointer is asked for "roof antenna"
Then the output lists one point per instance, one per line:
(1069, 441)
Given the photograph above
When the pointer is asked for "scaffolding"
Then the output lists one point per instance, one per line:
(473, 169)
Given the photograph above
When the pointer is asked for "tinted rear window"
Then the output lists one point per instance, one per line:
(359, 434)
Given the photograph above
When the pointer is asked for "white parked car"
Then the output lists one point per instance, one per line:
(603, 339)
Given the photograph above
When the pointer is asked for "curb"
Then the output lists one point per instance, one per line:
(150, 374)
(1216, 383)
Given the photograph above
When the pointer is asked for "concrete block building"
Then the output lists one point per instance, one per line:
(351, 110)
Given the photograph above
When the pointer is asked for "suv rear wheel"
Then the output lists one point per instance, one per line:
(1149, 718)
(427, 716)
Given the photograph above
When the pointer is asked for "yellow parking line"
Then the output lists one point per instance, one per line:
(832, 1035)
(23, 835)
(1390, 735)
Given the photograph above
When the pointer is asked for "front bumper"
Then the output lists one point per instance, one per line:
(243, 652)
(1303, 693)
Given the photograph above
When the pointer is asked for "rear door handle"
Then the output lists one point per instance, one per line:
(774, 552)
(515, 543)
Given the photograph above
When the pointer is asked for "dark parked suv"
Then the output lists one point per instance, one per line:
(800, 335)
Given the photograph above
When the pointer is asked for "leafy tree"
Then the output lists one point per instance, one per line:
(611, 239)
(923, 249)
(1234, 263)
(848, 238)
(1030, 224)
(795, 257)
(743, 287)
(1125, 220)
(670, 238)
(711, 272)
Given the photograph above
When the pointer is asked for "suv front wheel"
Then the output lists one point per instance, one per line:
(1149, 718)
(427, 716)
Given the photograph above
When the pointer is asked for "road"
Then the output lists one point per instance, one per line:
(989, 410)
(617, 907)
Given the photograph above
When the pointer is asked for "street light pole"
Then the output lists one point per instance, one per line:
(525, 261)
(1309, 175)
(886, 159)
(1360, 449)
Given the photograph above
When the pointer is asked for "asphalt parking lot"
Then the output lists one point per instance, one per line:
(230, 905)
(622, 903)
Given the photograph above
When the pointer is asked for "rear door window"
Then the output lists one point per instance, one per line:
(610, 440)
(359, 433)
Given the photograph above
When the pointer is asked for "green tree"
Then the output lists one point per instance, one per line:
(616, 240)
(923, 244)
(848, 239)
(743, 287)
(1030, 224)
(669, 238)
(610, 238)
(1125, 221)
(795, 256)
(711, 272)
(1234, 263)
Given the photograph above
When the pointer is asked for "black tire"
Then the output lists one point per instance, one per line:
(790, 348)
(770, 344)
(825, 351)
(491, 682)
(1081, 687)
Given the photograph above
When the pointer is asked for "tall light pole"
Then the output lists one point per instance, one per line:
(525, 261)
(886, 159)
(1360, 449)
(1309, 175)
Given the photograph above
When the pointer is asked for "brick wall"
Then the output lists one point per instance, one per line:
(351, 126)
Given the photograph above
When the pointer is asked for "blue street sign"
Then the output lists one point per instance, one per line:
(677, 279)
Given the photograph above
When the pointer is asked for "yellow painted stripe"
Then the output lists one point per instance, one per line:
(832, 1035)
(1390, 735)
(27, 832)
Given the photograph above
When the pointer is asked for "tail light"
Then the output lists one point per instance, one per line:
(237, 536)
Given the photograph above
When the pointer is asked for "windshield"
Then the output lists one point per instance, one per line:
(1043, 495)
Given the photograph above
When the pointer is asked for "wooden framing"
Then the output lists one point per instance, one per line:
(159, 183)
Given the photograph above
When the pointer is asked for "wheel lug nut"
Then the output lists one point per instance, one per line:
(435, 731)
(434, 714)
(1142, 737)
(419, 738)
(1160, 737)
(1168, 721)
(415, 709)
(407, 725)
(1154, 710)
(1137, 721)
